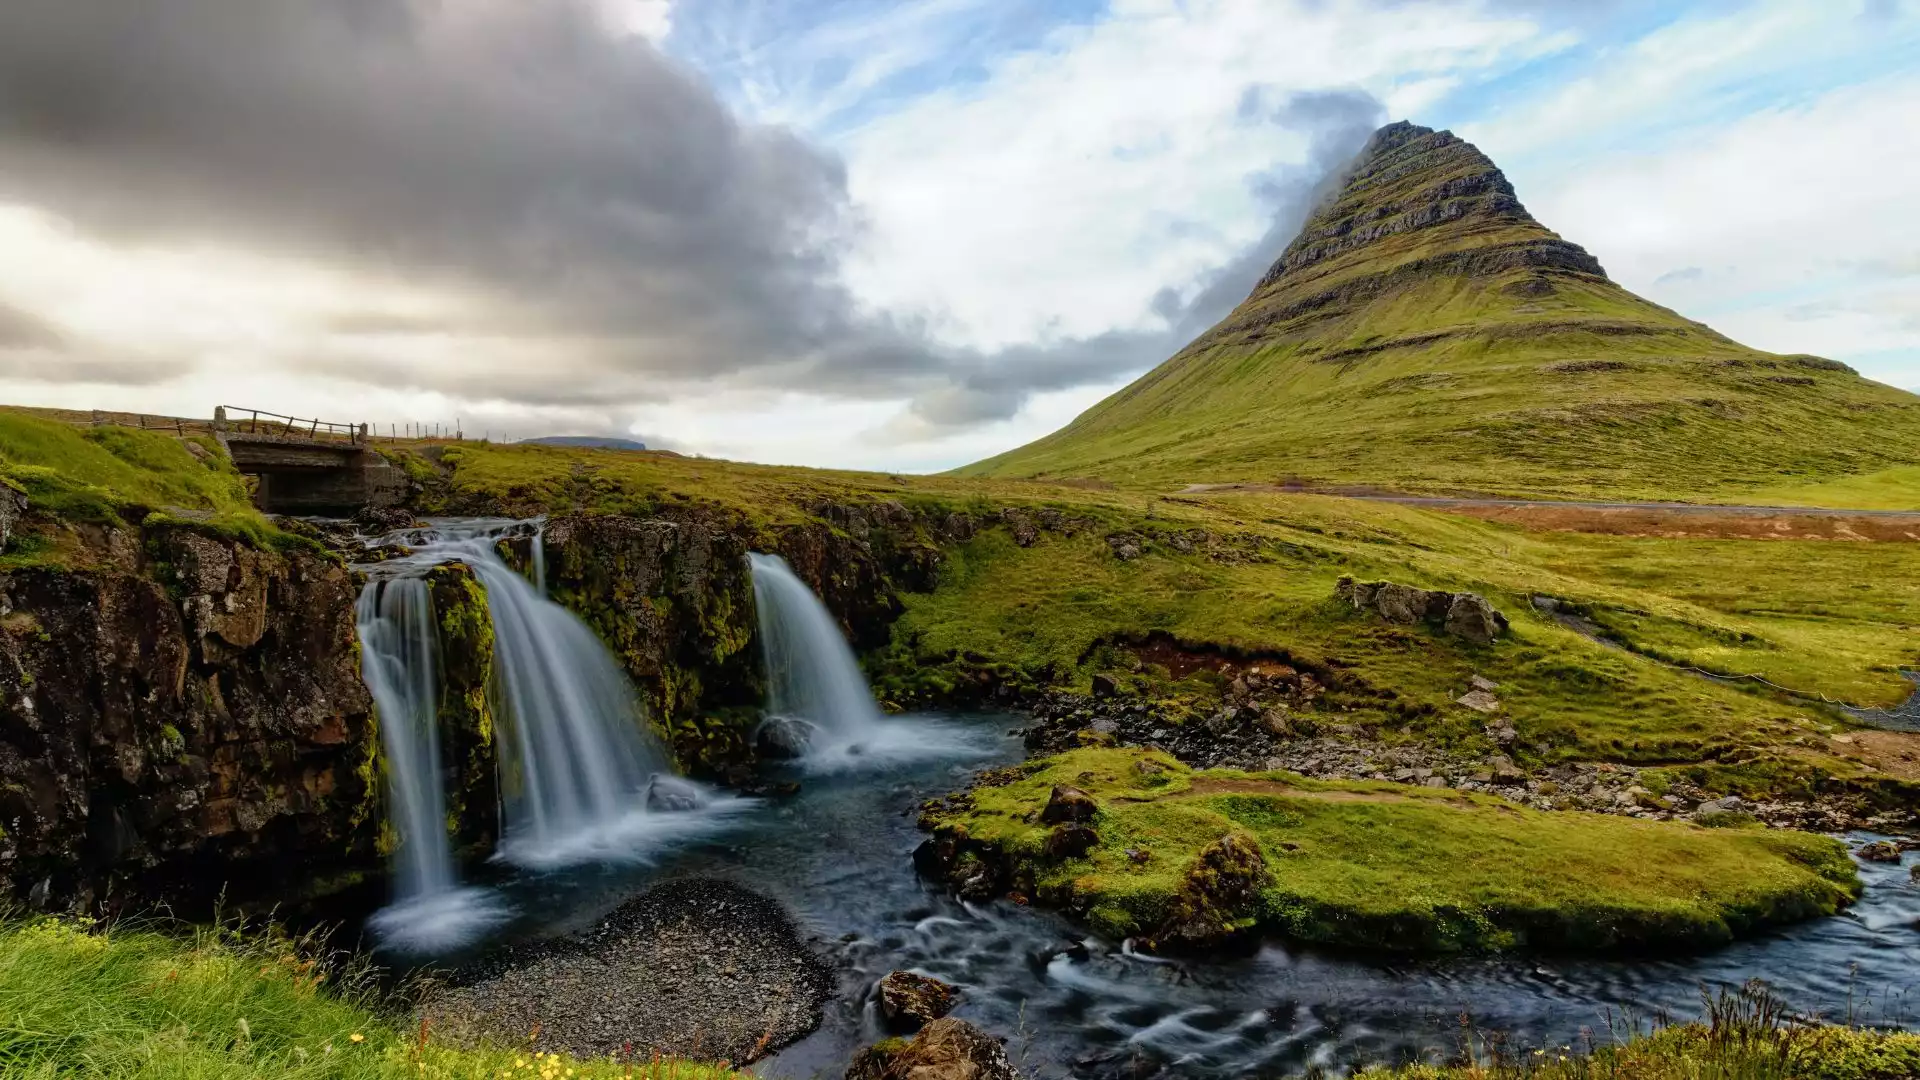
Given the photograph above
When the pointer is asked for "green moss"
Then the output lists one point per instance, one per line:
(1390, 867)
(466, 713)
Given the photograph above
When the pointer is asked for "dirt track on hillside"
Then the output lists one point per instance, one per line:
(1698, 521)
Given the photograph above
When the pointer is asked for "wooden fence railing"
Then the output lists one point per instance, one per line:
(260, 422)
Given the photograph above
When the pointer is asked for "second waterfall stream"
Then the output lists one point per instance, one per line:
(581, 777)
(819, 707)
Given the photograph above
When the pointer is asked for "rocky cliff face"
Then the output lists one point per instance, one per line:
(183, 714)
(179, 714)
(673, 597)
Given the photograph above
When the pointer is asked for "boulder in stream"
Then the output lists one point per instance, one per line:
(946, 1049)
(909, 1001)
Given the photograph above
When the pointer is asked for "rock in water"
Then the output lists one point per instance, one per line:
(946, 1049)
(1068, 804)
(782, 737)
(908, 1001)
(1881, 851)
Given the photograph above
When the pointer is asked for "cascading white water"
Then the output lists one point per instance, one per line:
(819, 707)
(580, 776)
(399, 663)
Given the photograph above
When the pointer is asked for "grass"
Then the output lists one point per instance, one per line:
(83, 1000)
(1051, 613)
(1897, 488)
(1383, 866)
(119, 476)
(1746, 1035)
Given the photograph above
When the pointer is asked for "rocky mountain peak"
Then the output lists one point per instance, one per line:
(1413, 193)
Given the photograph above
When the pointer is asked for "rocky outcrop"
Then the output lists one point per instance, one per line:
(908, 1001)
(947, 1049)
(182, 713)
(1219, 895)
(1464, 615)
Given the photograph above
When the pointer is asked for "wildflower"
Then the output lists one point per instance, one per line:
(357, 1037)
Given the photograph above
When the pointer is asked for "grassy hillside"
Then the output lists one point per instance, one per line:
(1425, 333)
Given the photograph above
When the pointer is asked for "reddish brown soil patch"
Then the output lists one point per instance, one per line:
(1894, 753)
(1696, 524)
(1182, 661)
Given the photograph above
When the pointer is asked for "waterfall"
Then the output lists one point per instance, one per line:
(819, 707)
(580, 775)
(399, 663)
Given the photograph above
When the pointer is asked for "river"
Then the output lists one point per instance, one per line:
(838, 854)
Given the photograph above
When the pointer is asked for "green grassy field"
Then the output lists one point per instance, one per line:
(1383, 866)
(78, 1000)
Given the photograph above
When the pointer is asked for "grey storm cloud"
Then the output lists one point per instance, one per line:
(595, 191)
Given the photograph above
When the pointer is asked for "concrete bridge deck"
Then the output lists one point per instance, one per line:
(307, 466)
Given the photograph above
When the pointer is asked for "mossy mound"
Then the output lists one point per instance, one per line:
(1372, 865)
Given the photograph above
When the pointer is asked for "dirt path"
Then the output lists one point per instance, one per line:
(1660, 519)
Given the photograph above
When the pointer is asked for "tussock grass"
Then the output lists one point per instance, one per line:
(1385, 866)
(1746, 1034)
(77, 999)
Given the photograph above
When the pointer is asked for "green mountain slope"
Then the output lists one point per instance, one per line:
(1424, 332)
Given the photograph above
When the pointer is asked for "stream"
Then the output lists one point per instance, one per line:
(838, 855)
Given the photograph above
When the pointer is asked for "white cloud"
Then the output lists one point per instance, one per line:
(1799, 220)
(1055, 197)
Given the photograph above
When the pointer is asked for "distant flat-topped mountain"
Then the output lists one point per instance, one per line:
(597, 442)
(1424, 332)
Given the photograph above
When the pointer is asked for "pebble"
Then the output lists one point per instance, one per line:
(694, 968)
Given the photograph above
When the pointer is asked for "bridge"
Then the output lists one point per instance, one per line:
(307, 466)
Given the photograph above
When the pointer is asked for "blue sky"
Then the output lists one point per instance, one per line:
(1744, 163)
(1006, 198)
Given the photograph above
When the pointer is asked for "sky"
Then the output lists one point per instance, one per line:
(890, 234)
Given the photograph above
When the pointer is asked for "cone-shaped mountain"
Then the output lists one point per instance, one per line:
(1424, 332)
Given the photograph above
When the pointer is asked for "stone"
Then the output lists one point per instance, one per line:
(1104, 686)
(1066, 804)
(1724, 805)
(946, 1049)
(782, 737)
(909, 1002)
(1218, 894)
(1481, 682)
(1479, 701)
(1140, 856)
(1071, 840)
(1125, 546)
(1880, 851)
(13, 506)
(1465, 615)
(1470, 617)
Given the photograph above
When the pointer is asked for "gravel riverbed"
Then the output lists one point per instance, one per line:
(696, 968)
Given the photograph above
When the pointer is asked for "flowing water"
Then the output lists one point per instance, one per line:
(580, 776)
(819, 707)
(839, 855)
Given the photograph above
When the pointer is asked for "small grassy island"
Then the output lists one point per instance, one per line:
(1145, 846)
